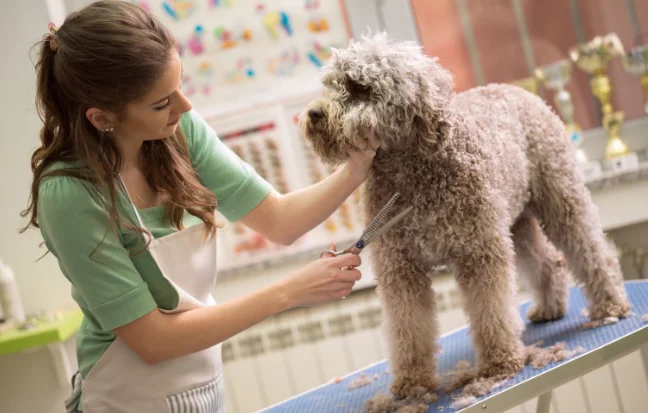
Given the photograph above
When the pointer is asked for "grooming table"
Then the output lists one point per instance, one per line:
(602, 345)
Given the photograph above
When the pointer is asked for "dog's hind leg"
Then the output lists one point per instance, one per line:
(543, 267)
(564, 206)
(410, 319)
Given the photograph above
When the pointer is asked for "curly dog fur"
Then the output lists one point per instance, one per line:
(495, 187)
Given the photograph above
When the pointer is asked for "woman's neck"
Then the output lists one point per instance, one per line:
(132, 155)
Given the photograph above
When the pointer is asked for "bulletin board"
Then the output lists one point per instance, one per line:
(238, 52)
(270, 141)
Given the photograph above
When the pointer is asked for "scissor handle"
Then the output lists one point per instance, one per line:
(334, 253)
(351, 250)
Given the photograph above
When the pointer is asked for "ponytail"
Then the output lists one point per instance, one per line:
(48, 105)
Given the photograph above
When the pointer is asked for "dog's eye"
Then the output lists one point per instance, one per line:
(356, 89)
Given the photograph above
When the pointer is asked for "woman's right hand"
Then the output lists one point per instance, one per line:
(323, 280)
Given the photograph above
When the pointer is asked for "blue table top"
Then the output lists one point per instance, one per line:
(336, 397)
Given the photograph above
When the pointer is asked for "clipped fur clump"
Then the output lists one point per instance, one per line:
(380, 403)
(588, 325)
(418, 401)
(463, 401)
(361, 380)
(494, 183)
(541, 357)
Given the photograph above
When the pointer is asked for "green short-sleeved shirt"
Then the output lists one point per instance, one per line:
(111, 287)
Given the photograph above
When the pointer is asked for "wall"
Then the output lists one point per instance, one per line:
(473, 38)
(41, 284)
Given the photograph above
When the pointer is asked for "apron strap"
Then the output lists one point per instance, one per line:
(123, 187)
(73, 402)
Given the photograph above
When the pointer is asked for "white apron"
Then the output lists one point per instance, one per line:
(121, 382)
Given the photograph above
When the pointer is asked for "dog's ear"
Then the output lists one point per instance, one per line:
(356, 88)
(434, 92)
(441, 80)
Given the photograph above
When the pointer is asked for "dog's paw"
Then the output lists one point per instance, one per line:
(614, 308)
(543, 312)
(505, 367)
(411, 387)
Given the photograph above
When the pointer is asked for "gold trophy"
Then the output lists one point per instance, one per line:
(593, 58)
(529, 83)
(635, 62)
(555, 76)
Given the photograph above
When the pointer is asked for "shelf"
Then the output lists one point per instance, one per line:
(42, 334)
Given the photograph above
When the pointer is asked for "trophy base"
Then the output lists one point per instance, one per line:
(629, 161)
(581, 157)
(591, 170)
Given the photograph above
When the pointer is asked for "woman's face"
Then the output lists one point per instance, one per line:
(156, 115)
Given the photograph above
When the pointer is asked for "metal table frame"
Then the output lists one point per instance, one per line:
(542, 385)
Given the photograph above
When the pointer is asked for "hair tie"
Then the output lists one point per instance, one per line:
(51, 37)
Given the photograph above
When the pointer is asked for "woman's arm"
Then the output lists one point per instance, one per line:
(285, 218)
(243, 196)
(110, 289)
(157, 336)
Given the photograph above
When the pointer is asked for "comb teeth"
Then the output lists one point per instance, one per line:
(380, 218)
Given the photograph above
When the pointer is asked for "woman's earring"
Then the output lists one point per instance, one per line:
(108, 129)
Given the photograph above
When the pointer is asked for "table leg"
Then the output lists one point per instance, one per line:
(544, 403)
(62, 364)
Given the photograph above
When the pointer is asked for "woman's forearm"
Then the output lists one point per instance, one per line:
(301, 211)
(157, 337)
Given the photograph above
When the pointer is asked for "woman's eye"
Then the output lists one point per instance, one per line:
(163, 106)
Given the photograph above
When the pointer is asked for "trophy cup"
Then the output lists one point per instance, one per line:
(530, 84)
(635, 62)
(593, 58)
(555, 76)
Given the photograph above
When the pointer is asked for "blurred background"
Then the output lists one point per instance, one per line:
(250, 67)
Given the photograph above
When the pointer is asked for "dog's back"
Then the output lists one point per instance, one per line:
(515, 132)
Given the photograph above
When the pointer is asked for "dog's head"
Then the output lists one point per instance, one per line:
(392, 89)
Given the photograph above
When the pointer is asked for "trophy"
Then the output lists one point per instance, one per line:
(593, 58)
(635, 62)
(530, 84)
(555, 76)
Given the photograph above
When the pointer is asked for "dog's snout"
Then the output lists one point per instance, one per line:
(315, 114)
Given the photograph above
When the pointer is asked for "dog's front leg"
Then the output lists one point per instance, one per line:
(411, 323)
(486, 277)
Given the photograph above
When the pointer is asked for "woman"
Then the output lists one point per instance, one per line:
(126, 183)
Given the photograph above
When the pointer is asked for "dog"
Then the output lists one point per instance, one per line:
(495, 188)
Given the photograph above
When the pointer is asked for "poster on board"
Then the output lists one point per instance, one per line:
(238, 52)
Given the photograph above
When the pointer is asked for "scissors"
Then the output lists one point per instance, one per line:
(375, 229)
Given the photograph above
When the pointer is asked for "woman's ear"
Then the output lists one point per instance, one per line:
(101, 119)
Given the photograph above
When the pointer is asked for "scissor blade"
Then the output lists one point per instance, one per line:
(378, 219)
(389, 224)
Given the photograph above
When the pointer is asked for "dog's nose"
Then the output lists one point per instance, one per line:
(315, 115)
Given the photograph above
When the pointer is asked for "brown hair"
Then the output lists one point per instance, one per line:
(106, 55)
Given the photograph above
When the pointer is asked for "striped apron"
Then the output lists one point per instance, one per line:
(121, 382)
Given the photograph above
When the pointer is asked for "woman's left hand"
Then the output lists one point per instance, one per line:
(362, 158)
